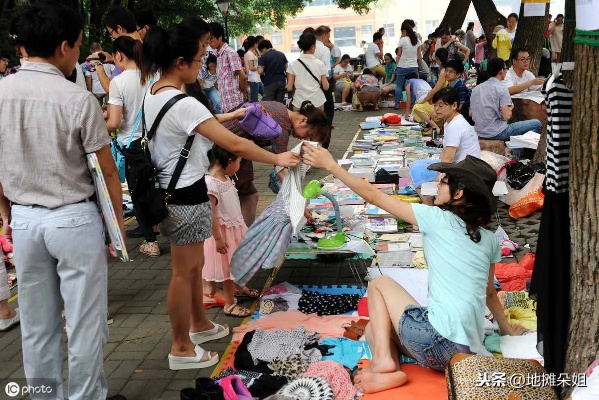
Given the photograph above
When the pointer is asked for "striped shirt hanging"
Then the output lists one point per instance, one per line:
(559, 115)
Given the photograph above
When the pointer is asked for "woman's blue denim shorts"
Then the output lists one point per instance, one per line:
(427, 346)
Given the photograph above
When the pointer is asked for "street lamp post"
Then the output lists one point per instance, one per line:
(223, 6)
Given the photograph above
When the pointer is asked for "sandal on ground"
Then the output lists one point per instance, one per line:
(247, 292)
(218, 332)
(202, 359)
(211, 301)
(235, 310)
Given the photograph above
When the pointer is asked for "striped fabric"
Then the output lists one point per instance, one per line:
(291, 189)
(559, 114)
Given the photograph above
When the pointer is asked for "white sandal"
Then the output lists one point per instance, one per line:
(217, 332)
(177, 363)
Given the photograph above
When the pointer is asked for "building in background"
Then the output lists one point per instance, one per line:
(350, 29)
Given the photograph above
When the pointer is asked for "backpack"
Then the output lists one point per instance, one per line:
(149, 201)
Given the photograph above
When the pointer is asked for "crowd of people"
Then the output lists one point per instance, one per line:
(53, 222)
(211, 226)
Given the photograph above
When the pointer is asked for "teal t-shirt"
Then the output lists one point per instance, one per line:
(458, 275)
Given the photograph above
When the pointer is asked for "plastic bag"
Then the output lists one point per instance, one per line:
(528, 204)
(519, 174)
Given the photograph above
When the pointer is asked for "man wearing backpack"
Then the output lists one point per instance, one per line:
(47, 194)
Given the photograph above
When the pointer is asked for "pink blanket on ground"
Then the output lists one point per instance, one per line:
(326, 325)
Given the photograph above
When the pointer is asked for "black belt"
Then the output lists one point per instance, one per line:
(90, 198)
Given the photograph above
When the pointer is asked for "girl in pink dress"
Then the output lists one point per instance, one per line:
(228, 227)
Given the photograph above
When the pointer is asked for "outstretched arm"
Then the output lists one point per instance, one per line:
(319, 157)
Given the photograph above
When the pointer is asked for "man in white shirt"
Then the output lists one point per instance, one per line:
(518, 78)
(323, 53)
(374, 53)
(323, 45)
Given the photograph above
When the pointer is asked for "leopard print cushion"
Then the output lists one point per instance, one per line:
(476, 378)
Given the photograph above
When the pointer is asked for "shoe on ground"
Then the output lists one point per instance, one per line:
(150, 249)
(134, 233)
(195, 362)
(117, 397)
(109, 318)
(6, 324)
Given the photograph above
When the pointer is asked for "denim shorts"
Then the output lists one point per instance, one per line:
(427, 346)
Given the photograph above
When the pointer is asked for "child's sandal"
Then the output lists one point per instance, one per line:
(235, 310)
(247, 292)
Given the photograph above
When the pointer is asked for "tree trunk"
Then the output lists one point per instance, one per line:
(531, 35)
(583, 347)
(489, 18)
(97, 10)
(567, 53)
(456, 14)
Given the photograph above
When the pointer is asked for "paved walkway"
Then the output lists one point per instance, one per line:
(135, 355)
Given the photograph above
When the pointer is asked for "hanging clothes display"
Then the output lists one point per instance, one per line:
(266, 241)
(550, 284)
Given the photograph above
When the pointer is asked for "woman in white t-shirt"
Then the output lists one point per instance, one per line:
(307, 75)
(250, 61)
(342, 73)
(178, 52)
(461, 256)
(126, 94)
(408, 58)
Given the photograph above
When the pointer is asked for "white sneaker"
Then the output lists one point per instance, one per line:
(6, 324)
(178, 363)
(150, 248)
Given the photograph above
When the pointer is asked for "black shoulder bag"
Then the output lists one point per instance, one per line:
(150, 202)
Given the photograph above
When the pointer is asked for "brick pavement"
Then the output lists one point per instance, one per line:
(135, 355)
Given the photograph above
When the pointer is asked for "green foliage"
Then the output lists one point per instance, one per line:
(246, 16)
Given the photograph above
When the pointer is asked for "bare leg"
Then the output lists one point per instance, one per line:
(387, 301)
(229, 288)
(5, 311)
(344, 94)
(184, 298)
(249, 204)
(209, 287)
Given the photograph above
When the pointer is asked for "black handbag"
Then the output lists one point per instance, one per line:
(149, 200)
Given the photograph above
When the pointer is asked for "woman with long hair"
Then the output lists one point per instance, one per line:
(250, 61)
(126, 94)
(460, 254)
(177, 53)
(408, 58)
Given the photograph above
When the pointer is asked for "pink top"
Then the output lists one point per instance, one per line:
(228, 210)
(366, 80)
(479, 53)
(326, 325)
